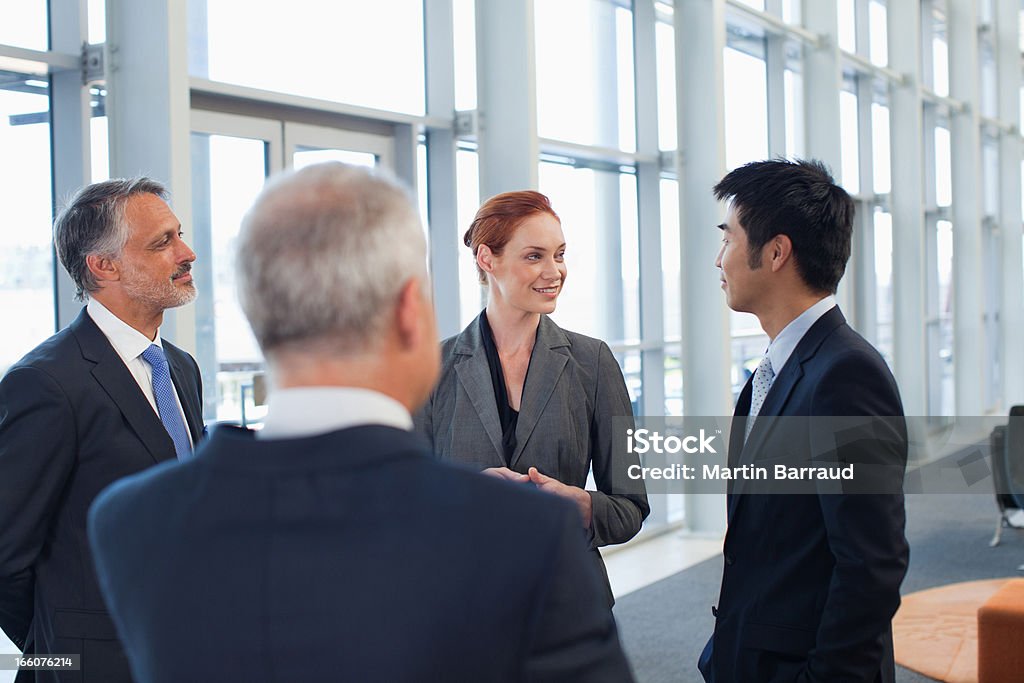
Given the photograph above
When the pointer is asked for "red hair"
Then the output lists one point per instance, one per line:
(497, 219)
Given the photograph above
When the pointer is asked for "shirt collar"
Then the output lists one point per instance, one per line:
(126, 340)
(307, 411)
(785, 342)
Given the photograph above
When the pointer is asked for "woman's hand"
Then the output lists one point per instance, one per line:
(506, 474)
(573, 493)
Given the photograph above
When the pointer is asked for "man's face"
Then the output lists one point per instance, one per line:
(156, 263)
(744, 286)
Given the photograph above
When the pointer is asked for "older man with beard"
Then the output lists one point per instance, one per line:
(101, 399)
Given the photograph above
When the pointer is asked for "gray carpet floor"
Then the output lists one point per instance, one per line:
(664, 626)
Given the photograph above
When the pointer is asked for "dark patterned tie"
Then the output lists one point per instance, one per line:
(763, 378)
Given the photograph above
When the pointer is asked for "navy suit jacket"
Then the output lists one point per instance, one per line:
(347, 556)
(72, 420)
(811, 581)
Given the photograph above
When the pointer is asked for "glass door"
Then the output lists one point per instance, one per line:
(232, 155)
(305, 144)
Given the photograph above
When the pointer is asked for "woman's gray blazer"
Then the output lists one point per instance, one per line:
(573, 390)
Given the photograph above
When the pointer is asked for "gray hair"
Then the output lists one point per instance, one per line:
(93, 222)
(323, 254)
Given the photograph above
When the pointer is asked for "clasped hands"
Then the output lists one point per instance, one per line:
(550, 485)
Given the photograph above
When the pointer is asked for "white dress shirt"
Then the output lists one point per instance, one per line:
(308, 411)
(785, 342)
(129, 344)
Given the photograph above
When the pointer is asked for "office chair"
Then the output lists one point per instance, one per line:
(1007, 444)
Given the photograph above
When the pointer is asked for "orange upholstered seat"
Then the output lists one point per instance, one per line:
(1001, 635)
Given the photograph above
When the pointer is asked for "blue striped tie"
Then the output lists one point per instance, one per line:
(166, 405)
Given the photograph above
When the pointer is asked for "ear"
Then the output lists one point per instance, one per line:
(103, 268)
(485, 258)
(410, 315)
(780, 252)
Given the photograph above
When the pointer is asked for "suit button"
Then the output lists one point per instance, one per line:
(714, 611)
(729, 560)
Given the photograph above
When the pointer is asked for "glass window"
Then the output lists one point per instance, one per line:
(471, 293)
(793, 87)
(671, 272)
(989, 80)
(97, 10)
(881, 149)
(756, 4)
(599, 220)
(585, 88)
(665, 38)
(943, 168)
(883, 284)
(234, 170)
(672, 290)
(464, 12)
(306, 156)
(849, 141)
(25, 24)
(940, 60)
(26, 251)
(990, 175)
(99, 148)
(878, 33)
(340, 51)
(942, 352)
(847, 26)
(746, 108)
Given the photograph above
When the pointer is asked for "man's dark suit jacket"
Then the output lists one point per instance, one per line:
(72, 420)
(811, 582)
(346, 556)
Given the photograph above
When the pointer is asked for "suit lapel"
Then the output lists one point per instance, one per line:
(546, 366)
(112, 374)
(475, 376)
(778, 396)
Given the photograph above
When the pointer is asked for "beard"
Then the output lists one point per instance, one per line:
(158, 293)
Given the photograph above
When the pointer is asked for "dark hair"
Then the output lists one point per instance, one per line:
(93, 222)
(798, 199)
(499, 216)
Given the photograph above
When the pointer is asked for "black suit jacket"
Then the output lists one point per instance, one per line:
(347, 556)
(72, 420)
(811, 581)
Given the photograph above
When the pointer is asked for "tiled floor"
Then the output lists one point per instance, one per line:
(641, 563)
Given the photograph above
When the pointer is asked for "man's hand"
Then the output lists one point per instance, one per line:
(573, 493)
(506, 474)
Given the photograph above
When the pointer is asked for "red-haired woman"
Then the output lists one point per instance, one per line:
(522, 399)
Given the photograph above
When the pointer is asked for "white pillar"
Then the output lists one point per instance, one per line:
(968, 329)
(506, 96)
(70, 113)
(907, 208)
(823, 79)
(1012, 313)
(148, 110)
(700, 162)
(442, 201)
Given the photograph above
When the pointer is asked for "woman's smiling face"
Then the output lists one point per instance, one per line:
(529, 273)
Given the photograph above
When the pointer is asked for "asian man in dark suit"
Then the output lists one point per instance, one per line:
(101, 399)
(811, 579)
(330, 545)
